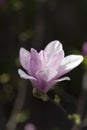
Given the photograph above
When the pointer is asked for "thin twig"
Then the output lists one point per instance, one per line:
(82, 101)
(19, 102)
(58, 105)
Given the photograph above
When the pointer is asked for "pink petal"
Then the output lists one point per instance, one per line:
(25, 58)
(29, 126)
(69, 63)
(56, 59)
(41, 54)
(54, 54)
(54, 46)
(35, 62)
(46, 86)
(46, 74)
(43, 85)
(24, 75)
(49, 85)
(62, 79)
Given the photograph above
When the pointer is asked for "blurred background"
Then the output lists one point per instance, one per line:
(34, 23)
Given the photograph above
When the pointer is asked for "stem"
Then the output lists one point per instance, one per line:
(19, 102)
(58, 105)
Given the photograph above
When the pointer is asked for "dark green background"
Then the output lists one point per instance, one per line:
(34, 23)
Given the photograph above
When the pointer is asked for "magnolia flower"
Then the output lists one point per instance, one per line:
(45, 69)
(84, 49)
(29, 126)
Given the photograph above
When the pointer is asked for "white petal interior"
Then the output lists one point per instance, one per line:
(24, 75)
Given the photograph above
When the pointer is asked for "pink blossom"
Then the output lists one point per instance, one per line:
(45, 69)
(2, 3)
(84, 49)
(29, 126)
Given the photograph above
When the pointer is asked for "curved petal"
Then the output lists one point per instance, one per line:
(54, 54)
(62, 79)
(41, 54)
(54, 46)
(35, 62)
(49, 85)
(69, 63)
(45, 86)
(46, 74)
(24, 75)
(56, 59)
(24, 56)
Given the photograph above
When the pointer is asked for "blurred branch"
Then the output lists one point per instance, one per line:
(58, 105)
(19, 102)
(82, 103)
(39, 25)
(52, 5)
